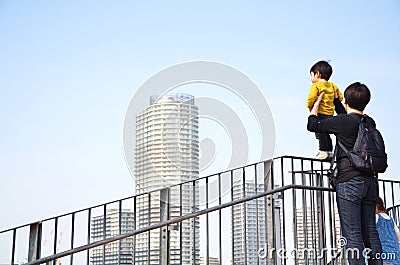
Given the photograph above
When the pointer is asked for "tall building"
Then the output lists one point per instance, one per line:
(249, 226)
(309, 240)
(308, 243)
(209, 261)
(115, 223)
(167, 153)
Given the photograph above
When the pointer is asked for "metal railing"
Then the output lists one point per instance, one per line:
(280, 211)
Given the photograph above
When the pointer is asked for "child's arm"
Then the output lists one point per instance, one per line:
(312, 96)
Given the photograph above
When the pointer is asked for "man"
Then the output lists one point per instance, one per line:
(356, 192)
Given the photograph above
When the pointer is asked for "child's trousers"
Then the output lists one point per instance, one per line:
(325, 141)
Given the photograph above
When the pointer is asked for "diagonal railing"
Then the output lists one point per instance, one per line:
(249, 215)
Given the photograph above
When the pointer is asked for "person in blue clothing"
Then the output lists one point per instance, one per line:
(388, 234)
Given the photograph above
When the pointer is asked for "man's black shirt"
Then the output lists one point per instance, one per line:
(345, 128)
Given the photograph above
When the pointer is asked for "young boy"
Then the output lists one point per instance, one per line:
(320, 74)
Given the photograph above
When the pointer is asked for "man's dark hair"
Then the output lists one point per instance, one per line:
(357, 96)
(380, 205)
(324, 69)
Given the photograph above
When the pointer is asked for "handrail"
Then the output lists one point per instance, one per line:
(275, 175)
(175, 185)
(173, 221)
(141, 194)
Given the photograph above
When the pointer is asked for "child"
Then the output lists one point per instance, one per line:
(320, 74)
(388, 234)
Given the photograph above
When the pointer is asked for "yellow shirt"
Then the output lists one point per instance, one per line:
(326, 107)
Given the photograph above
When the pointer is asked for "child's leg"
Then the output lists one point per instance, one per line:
(322, 153)
(325, 142)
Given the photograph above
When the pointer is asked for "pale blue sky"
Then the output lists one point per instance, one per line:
(68, 70)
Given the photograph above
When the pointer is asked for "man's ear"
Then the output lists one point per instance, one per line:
(345, 104)
(317, 74)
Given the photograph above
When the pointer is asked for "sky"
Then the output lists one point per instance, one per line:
(69, 69)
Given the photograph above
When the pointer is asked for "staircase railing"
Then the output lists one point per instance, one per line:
(248, 215)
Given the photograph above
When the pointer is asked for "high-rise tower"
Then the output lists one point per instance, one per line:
(114, 223)
(167, 153)
(249, 225)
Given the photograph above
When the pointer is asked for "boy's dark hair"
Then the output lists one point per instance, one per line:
(357, 96)
(324, 69)
(380, 205)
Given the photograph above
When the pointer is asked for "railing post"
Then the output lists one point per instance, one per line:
(321, 218)
(272, 220)
(277, 203)
(164, 231)
(35, 239)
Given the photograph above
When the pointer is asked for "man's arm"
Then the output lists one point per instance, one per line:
(313, 124)
(339, 108)
(329, 125)
(315, 107)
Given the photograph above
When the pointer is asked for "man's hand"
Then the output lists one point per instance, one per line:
(314, 110)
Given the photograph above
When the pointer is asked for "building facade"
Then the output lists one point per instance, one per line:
(167, 153)
(309, 238)
(114, 223)
(209, 261)
(249, 226)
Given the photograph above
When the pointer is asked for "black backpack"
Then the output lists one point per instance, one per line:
(368, 154)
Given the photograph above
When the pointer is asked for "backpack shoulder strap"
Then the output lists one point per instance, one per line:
(343, 148)
(370, 122)
(356, 117)
(364, 119)
(333, 157)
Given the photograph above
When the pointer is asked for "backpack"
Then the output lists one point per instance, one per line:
(368, 154)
